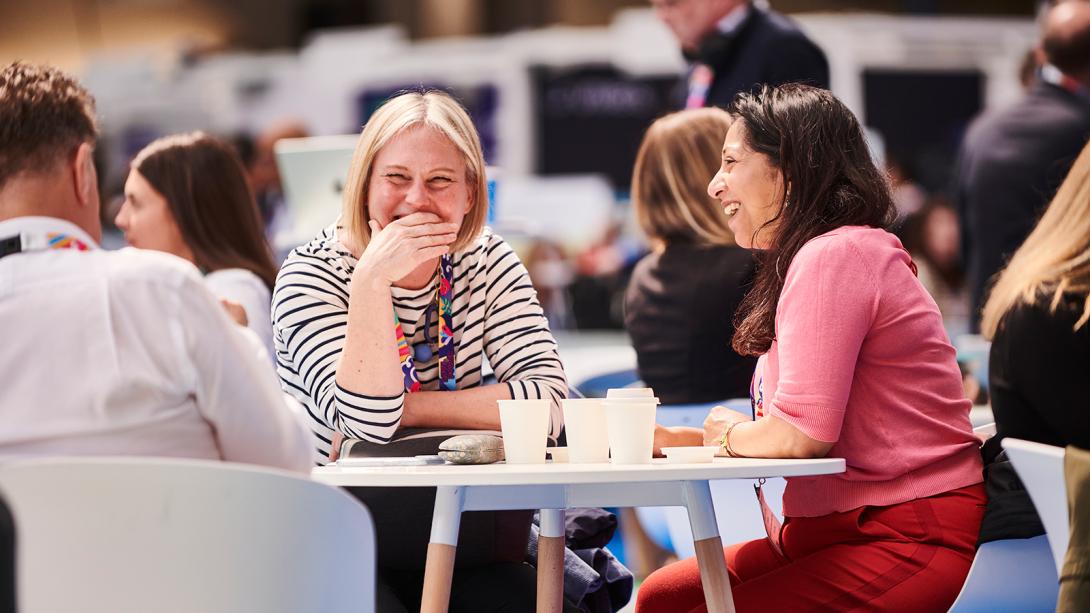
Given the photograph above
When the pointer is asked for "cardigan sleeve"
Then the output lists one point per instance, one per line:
(826, 308)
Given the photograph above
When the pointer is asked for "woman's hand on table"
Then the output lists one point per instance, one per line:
(404, 244)
(678, 436)
(717, 422)
(335, 447)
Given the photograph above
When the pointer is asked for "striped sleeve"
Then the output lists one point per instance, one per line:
(517, 340)
(310, 317)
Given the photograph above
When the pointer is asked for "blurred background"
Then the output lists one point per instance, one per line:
(561, 91)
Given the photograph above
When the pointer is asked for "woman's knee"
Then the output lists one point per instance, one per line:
(675, 587)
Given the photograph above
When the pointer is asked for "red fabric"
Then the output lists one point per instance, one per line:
(911, 556)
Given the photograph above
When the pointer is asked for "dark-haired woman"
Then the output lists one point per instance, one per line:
(187, 195)
(856, 365)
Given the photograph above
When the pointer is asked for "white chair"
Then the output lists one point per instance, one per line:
(1041, 468)
(124, 535)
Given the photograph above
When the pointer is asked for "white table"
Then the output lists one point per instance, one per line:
(551, 488)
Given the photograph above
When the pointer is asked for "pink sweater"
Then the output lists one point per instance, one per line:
(861, 359)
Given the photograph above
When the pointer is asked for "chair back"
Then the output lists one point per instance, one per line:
(147, 534)
(1041, 468)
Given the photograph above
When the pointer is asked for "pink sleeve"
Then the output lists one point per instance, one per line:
(828, 303)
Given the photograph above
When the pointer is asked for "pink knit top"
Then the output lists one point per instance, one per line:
(861, 359)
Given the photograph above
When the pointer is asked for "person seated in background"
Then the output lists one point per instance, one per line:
(384, 320)
(111, 353)
(187, 195)
(856, 365)
(1036, 317)
(682, 297)
(931, 236)
(259, 160)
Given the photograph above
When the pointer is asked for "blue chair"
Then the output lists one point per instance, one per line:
(1010, 575)
(598, 385)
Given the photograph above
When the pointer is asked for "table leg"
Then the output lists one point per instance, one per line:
(709, 547)
(550, 562)
(439, 567)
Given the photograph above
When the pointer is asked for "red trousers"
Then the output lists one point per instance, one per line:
(912, 556)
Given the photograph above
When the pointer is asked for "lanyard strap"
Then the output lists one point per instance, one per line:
(444, 295)
(700, 81)
(25, 242)
(1053, 75)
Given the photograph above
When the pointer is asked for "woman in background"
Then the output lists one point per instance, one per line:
(680, 303)
(187, 195)
(1037, 318)
(931, 237)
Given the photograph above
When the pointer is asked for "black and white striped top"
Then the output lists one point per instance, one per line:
(496, 315)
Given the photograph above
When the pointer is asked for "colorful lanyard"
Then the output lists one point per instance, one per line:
(444, 294)
(1053, 75)
(24, 242)
(700, 81)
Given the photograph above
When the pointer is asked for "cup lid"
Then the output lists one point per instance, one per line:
(630, 392)
(632, 400)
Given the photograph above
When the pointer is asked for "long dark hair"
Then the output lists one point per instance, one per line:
(830, 181)
(204, 184)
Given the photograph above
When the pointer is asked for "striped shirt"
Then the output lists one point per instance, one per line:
(495, 314)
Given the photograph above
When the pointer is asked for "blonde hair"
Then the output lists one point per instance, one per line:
(436, 110)
(678, 156)
(1055, 259)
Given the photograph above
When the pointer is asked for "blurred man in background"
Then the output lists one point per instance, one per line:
(734, 45)
(111, 352)
(1012, 161)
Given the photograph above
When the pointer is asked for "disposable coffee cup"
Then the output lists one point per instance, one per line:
(631, 426)
(525, 426)
(586, 430)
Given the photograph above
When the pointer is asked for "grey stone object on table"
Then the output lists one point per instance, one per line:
(472, 449)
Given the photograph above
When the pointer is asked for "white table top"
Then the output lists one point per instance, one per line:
(563, 473)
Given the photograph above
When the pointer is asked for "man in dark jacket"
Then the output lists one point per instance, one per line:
(734, 46)
(1013, 161)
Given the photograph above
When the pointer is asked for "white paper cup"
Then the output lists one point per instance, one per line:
(525, 426)
(559, 454)
(631, 425)
(630, 392)
(585, 428)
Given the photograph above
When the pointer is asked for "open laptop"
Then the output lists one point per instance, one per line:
(313, 172)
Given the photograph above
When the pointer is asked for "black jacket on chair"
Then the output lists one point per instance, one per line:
(766, 48)
(1012, 162)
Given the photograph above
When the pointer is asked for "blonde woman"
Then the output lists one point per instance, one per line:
(680, 303)
(384, 319)
(1037, 317)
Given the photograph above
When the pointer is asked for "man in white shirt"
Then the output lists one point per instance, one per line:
(111, 353)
